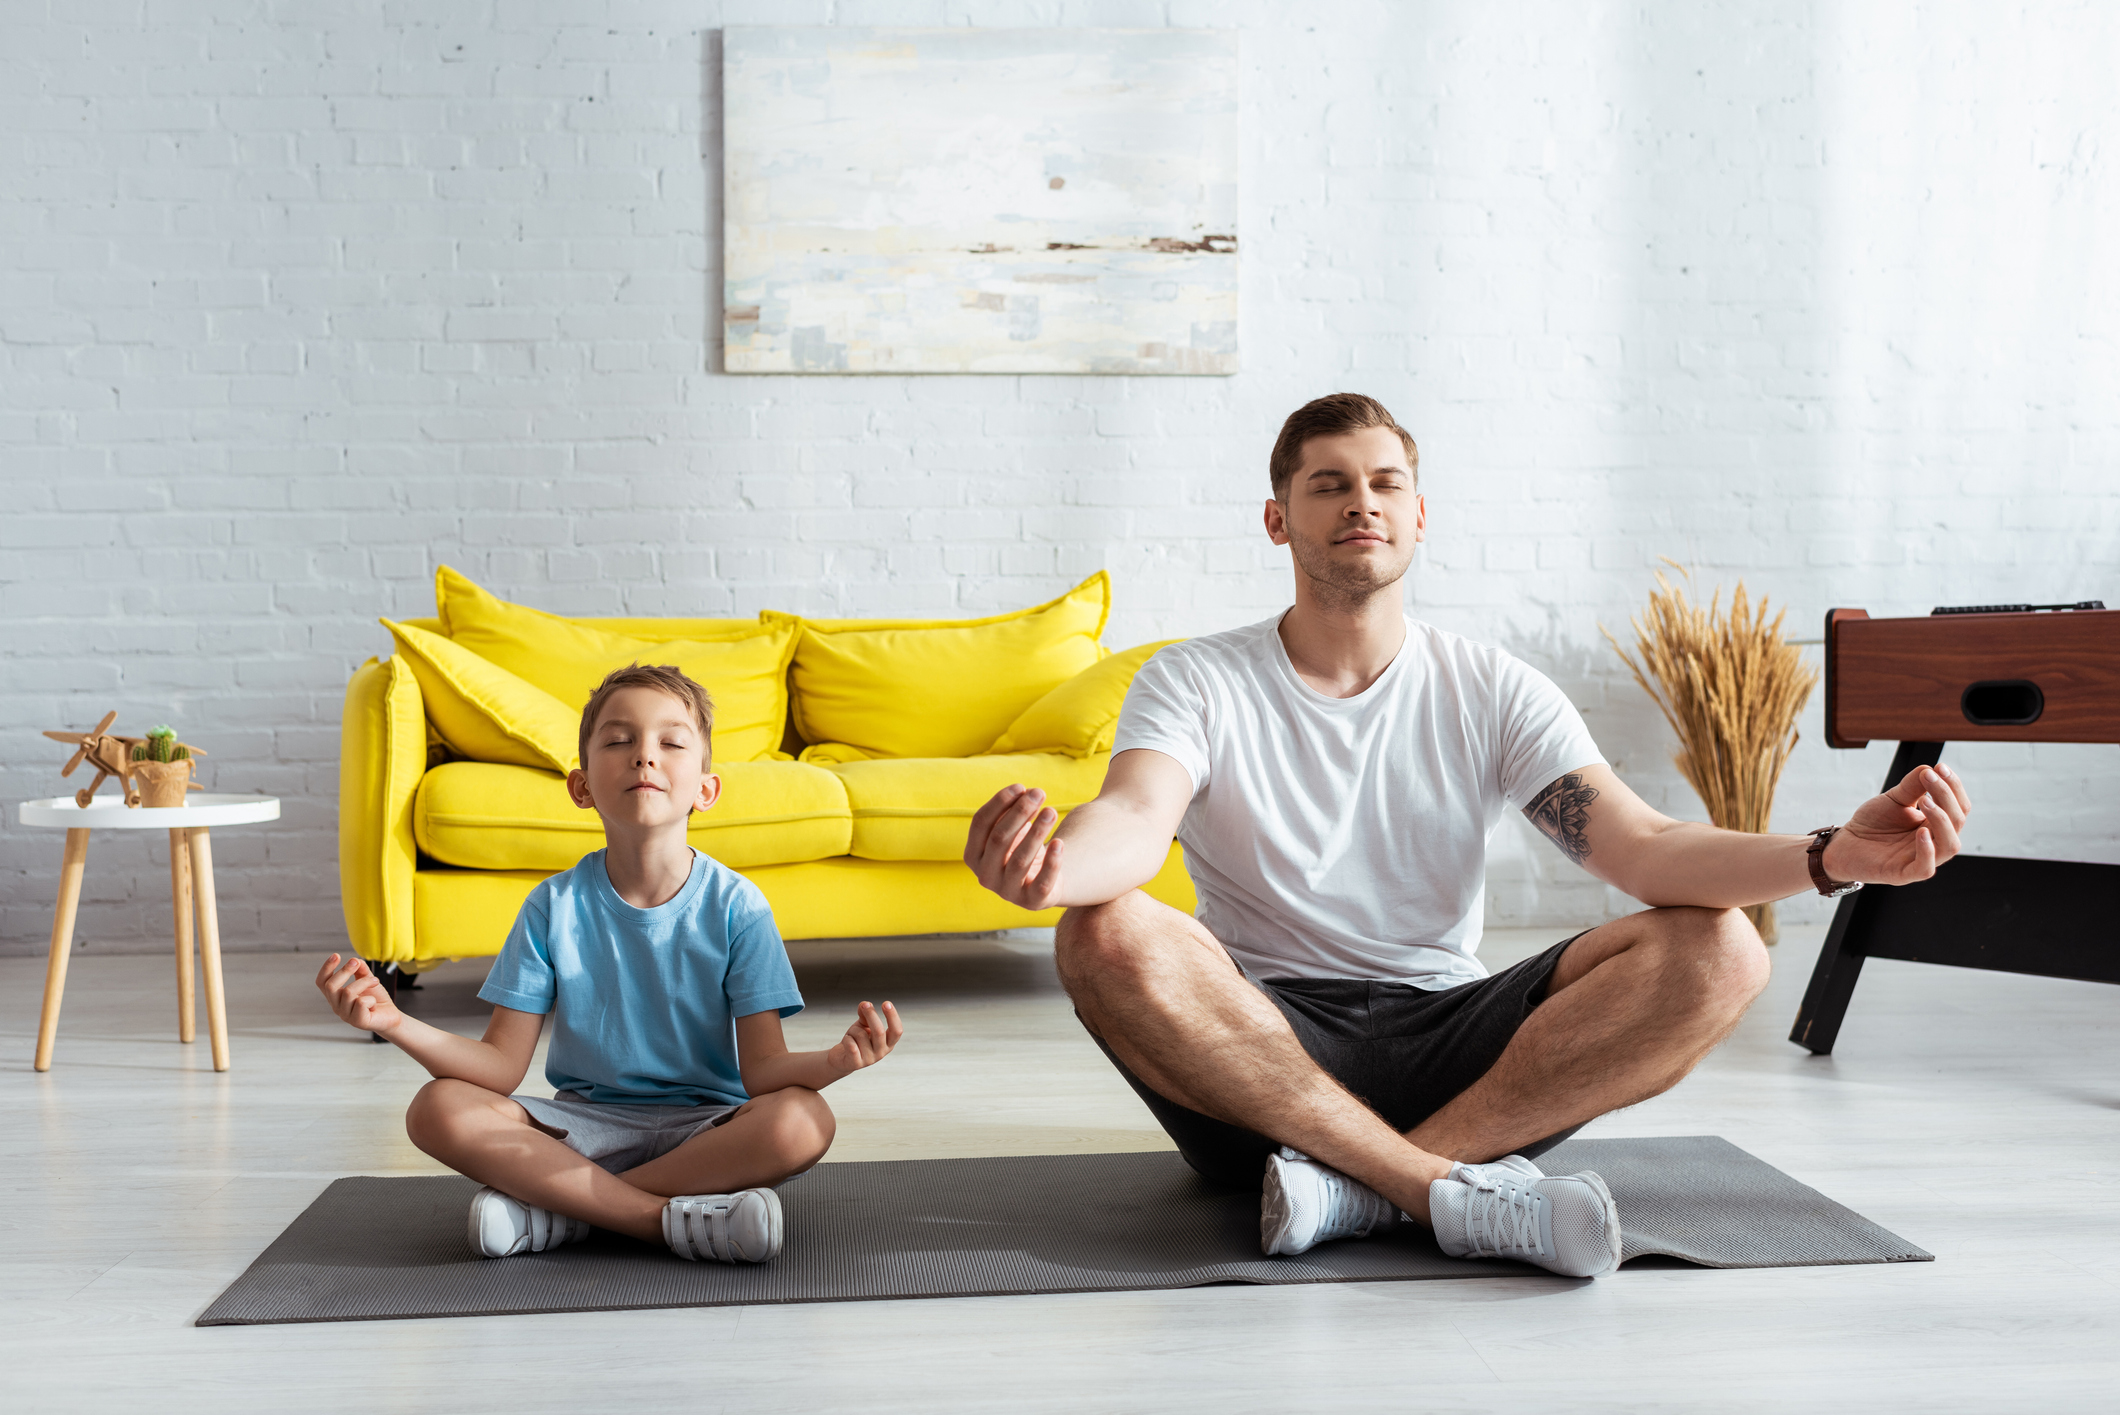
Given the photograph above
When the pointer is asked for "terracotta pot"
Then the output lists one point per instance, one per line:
(162, 784)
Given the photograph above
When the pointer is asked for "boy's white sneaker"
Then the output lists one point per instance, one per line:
(500, 1227)
(744, 1227)
(1566, 1224)
(1303, 1203)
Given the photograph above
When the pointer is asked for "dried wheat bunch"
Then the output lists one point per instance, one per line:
(1731, 688)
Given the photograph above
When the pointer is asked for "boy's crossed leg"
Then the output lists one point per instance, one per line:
(493, 1139)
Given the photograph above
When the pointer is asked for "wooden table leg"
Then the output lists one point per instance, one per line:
(209, 944)
(180, 906)
(70, 872)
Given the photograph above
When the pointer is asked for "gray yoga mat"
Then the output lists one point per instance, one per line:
(380, 1248)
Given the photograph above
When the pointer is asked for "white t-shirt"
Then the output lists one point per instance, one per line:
(1347, 837)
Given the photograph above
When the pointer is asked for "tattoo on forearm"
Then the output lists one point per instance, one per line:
(1562, 814)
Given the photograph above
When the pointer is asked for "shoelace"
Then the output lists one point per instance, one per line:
(1344, 1211)
(1501, 1219)
(1346, 1205)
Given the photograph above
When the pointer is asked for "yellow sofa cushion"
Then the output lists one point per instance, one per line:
(921, 808)
(460, 601)
(1080, 718)
(488, 817)
(938, 688)
(483, 711)
(742, 663)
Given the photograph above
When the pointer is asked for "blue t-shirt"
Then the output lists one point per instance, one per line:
(647, 998)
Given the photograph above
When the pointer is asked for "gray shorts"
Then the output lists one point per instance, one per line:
(620, 1137)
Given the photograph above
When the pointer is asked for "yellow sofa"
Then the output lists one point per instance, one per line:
(452, 803)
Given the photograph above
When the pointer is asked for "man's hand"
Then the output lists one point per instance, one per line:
(358, 996)
(1903, 835)
(867, 1042)
(1107, 846)
(1008, 849)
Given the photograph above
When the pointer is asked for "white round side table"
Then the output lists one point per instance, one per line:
(190, 871)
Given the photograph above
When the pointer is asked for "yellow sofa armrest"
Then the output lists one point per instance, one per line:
(382, 756)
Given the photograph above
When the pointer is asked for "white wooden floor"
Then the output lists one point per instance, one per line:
(1976, 1114)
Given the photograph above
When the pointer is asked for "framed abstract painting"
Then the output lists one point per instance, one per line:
(979, 200)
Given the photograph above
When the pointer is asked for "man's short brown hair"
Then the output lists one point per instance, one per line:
(1331, 416)
(663, 678)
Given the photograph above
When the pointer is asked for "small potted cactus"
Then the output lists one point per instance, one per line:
(162, 767)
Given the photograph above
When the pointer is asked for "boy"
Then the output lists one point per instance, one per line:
(656, 959)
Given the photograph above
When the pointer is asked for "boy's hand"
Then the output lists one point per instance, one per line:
(867, 1042)
(359, 997)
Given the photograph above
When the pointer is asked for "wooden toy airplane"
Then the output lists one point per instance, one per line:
(111, 755)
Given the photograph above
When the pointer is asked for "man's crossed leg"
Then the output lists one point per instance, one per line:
(1626, 1010)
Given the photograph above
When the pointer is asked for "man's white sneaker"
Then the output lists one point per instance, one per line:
(1566, 1224)
(1303, 1204)
(1507, 1164)
(500, 1227)
(745, 1227)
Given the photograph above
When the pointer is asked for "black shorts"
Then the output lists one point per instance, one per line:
(1404, 1051)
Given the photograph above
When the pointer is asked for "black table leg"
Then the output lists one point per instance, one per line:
(1825, 1001)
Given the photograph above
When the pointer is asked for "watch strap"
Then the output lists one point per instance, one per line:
(1816, 857)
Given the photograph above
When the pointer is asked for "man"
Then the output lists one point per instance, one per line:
(1322, 1028)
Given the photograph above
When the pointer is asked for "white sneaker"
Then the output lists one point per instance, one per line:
(1507, 1164)
(1303, 1204)
(1566, 1224)
(500, 1227)
(744, 1227)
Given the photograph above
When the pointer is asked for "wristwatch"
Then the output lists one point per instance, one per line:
(1816, 856)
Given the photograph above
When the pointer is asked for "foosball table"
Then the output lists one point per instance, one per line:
(1983, 673)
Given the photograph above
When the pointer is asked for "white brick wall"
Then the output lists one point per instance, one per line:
(297, 301)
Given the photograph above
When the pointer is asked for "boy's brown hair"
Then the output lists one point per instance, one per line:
(663, 678)
(1331, 416)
